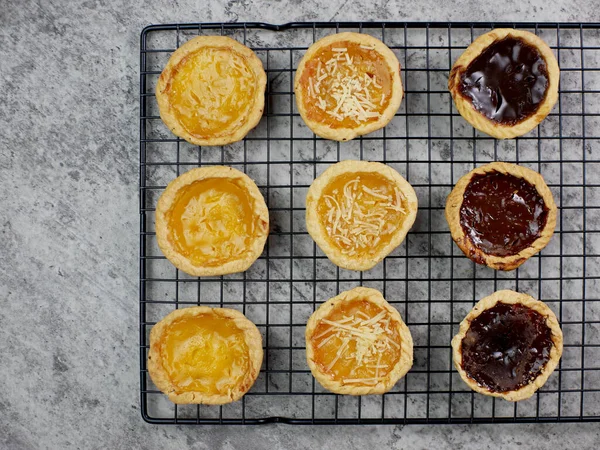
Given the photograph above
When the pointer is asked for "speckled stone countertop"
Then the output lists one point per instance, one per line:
(69, 74)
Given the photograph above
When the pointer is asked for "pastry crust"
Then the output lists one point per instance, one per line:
(400, 369)
(511, 297)
(239, 129)
(479, 120)
(316, 227)
(454, 203)
(346, 134)
(161, 378)
(168, 199)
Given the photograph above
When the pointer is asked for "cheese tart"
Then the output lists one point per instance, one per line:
(359, 211)
(500, 214)
(212, 91)
(204, 355)
(212, 221)
(347, 85)
(505, 83)
(508, 345)
(357, 343)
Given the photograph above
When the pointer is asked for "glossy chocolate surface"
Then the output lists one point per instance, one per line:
(502, 214)
(507, 81)
(506, 347)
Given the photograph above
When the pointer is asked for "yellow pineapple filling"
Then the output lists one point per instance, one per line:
(211, 222)
(212, 91)
(205, 353)
(346, 84)
(357, 343)
(361, 211)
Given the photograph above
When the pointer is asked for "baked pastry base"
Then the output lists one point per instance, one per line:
(510, 297)
(345, 134)
(454, 203)
(479, 120)
(401, 367)
(168, 199)
(233, 133)
(318, 232)
(161, 378)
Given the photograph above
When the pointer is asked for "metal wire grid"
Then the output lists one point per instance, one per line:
(427, 278)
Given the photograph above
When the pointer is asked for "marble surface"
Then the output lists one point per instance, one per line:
(68, 277)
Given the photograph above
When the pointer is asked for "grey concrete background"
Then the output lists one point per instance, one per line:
(69, 245)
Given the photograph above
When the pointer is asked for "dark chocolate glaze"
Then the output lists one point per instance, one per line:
(507, 82)
(506, 347)
(502, 214)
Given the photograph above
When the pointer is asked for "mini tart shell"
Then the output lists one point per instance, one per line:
(406, 345)
(346, 134)
(167, 114)
(454, 203)
(510, 297)
(167, 200)
(318, 232)
(479, 120)
(160, 376)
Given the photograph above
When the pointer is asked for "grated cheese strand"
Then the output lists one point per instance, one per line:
(372, 380)
(339, 353)
(374, 193)
(326, 340)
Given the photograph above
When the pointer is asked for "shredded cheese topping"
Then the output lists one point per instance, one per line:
(212, 91)
(212, 222)
(205, 353)
(343, 90)
(364, 341)
(359, 218)
(200, 228)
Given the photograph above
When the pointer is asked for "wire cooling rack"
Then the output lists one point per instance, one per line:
(427, 278)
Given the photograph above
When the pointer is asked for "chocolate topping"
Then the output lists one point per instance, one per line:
(506, 347)
(507, 81)
(502, 214)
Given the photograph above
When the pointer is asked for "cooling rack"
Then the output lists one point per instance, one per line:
(427, 278)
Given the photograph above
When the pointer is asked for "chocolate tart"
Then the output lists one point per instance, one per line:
(212, 91)
(358, 212)
(212, 221)
(357, 343)
(505, 83)
(508, 345)
(204, 355)
(500, 214)
(347, 85)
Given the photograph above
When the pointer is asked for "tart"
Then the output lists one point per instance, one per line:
(358, 212)
(357, 343)
(500, 214)
(212, 221)
(508, 345)
(347, 85)
(204, 355)
(212, 91)
(505, 83)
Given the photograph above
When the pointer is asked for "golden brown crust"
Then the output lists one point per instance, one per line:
(160, 376)
(167, 199)
(480, 121)
(406, 345)
(167, 112)
(510, 297)
(316, 227)
(346, 134)
(454, 203)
